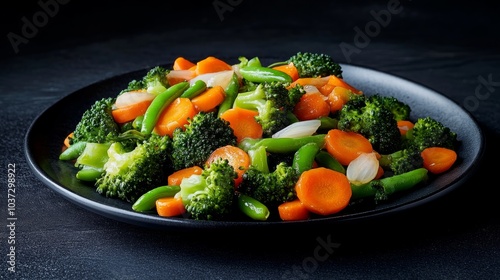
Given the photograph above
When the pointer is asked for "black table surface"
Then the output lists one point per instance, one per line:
(51, 48)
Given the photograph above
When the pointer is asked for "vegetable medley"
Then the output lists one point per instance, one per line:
(220, 140)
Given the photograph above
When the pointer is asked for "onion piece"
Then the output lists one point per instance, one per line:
(175, 76)
(131, 97)
(362, 169)
(221, 78)
(298, 129)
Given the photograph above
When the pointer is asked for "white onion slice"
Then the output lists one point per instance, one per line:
(298, 129)
(131, 97)
(310, 88)
(177, 75)
(363, 169)
(221, 78)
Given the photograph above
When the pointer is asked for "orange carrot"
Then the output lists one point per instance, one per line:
(404, 126)
(339, 82)
(66, 140)
(181, 63)
(337, 98)
(326, 89)
(175, 115)
(311, 106)
(210, 65)
(130, 112)
(175, 178)
(209, 99)
(243, 123)
(323, 191)
(438, 159)
(290, 69)
(171, 206)
(345, 146)
(237, 157)
(380, 173)
(293, 211)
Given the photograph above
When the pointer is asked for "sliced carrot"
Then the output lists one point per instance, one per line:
(130, 112)
(211, 64)
(326, 89)
(243, 123)
(338, 97)
(438, 159)
(181, 63)
(176, 177)
(345, 146)
(209, 99)
(171, 206)
(404, 126)
(237, 157)
(311, 106)
(175, 115)
(289, 69)
(293, 211)
(66, 140)
(339, 82)
(380, 173)
(323, 191)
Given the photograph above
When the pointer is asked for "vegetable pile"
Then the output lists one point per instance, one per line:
(294, 140)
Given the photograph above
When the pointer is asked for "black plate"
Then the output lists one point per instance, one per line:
(43, 145)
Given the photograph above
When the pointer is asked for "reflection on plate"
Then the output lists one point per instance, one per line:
(43, 145)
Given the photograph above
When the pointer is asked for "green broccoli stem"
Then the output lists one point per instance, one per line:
(384, 187)
(386, 159)
(258, 159)
(281, 145)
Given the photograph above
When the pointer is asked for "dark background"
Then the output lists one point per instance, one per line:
(444, 46)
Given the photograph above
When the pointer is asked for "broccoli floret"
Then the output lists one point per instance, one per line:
(128, 175)
(155, 81)
(97, 124)
(365, 115)
(273, 103)
(271, 188)
(210, 195)
(399, 109)
(428, 132)
(194, 143)
(311, 64)
(402, 161)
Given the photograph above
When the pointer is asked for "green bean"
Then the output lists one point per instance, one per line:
(325, 159)
(73, 151)
(261, 74)
(258, 159)
(389, 185)
(328, 123)
(282, 145)
(137, 123)
(194, 89)
(147, 201)
(231, 92)
(303, 158)
(253, 208)
(159, 103)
